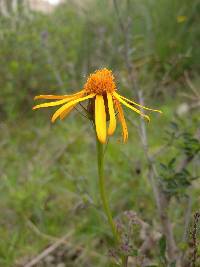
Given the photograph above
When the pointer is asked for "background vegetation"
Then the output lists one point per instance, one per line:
(48, 173)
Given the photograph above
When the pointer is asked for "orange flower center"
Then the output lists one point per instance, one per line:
(100, 82)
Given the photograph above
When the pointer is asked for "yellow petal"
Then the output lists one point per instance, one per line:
(66, 112)
(68, 105)
(112, 124)
(54, 103)
(100, 118)
(131, 107)
(56, 97)
(136, 104)
(122, 120)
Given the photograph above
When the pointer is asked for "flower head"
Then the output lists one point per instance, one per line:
(100, 90)
(100, 82)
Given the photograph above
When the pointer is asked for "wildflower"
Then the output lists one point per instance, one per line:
(181, 19)
(100, 89)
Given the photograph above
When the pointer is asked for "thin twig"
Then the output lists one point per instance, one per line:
(162, 201)
(34, 228)
(121, 25)
(194, 239)
(191, 85)
(50, 60)
(187, 218)
(48, 250)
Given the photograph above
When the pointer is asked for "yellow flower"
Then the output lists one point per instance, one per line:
(100, 90)
(181, 19)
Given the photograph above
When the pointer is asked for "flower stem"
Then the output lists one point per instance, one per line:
(124, 261)
(100, 157)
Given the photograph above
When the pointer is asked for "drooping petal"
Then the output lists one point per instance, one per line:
(112, 124)
(122, 120)
(56, 97)
(66, 112)
(131, 107)
(68, 105)
(100, 118)
(136, 104)
(54, 103)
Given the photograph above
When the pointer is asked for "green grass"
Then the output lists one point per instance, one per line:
(49, 178)
(49, 183)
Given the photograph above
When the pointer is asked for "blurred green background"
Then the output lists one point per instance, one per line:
(49, 183)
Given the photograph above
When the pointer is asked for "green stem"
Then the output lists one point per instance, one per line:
(124, 261)
(100, 157)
